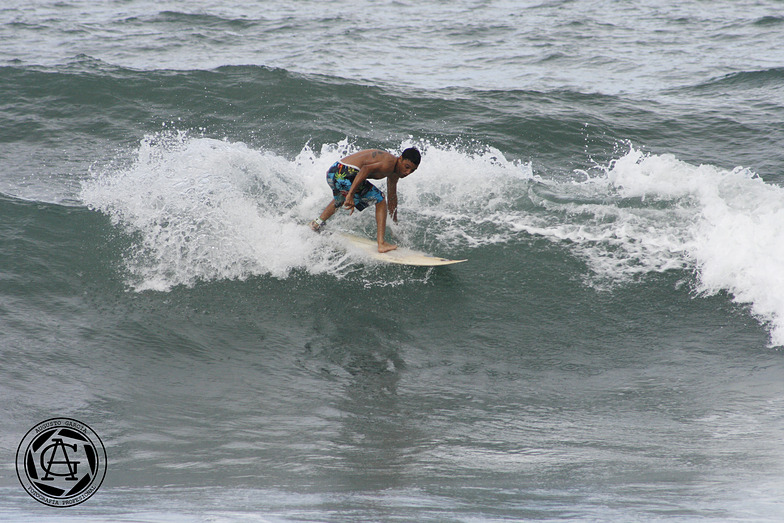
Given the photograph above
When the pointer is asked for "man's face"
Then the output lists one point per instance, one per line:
(406, 168)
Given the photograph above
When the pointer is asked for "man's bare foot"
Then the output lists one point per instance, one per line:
(386, 247)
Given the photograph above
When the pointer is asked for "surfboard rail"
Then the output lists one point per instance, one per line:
(400, 256)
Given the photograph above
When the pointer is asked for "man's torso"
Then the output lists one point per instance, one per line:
(385, 160)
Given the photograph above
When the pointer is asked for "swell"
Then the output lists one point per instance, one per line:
(279, 110)
(177, 18)
(90, 110)
(763, 78)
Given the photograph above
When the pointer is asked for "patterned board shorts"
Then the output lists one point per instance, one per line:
(340, 177)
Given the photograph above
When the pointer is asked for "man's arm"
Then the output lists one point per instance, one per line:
(392, 197)
(361, 176)
(381, 167)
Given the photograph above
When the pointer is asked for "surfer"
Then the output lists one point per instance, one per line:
(351, 189)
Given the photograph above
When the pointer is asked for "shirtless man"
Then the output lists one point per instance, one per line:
(351, 189)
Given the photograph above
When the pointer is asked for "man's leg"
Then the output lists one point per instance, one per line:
(329, 210)
(381, 225)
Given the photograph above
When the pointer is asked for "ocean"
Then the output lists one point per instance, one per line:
(612, 171)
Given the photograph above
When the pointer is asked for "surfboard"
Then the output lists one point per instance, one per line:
(400, 256)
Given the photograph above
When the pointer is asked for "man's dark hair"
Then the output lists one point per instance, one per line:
(412, 154)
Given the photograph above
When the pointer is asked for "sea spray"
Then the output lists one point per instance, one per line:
(204, 209)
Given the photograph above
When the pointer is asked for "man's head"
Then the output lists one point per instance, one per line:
(409, 161)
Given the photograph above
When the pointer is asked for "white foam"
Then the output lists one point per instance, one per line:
(660, 213)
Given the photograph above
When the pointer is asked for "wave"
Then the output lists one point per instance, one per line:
(763, 78)
(279, 110)
(99, 108)
(177, 18)
(200, 209)
(203, 209)
(770, 20)
(659, 213)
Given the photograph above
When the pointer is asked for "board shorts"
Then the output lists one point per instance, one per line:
(341, 176)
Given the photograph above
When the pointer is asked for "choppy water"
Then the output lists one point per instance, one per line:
(613, 173)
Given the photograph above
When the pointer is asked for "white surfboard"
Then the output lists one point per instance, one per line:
(401, 255)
